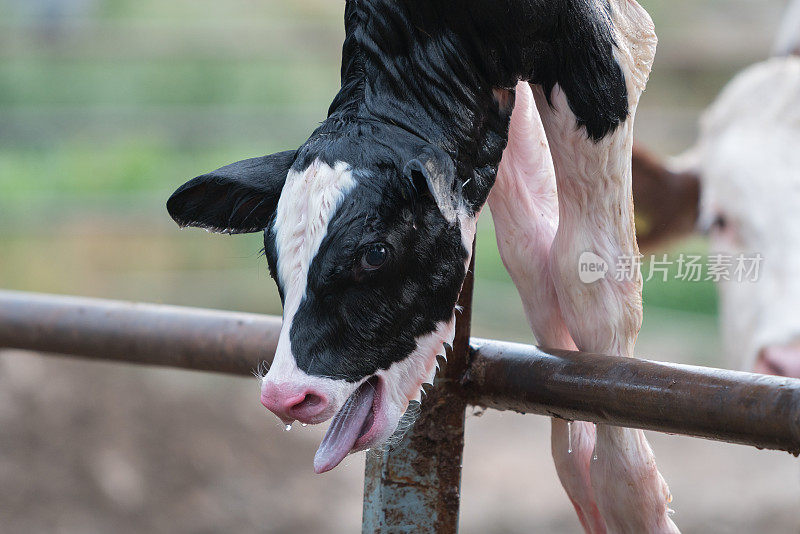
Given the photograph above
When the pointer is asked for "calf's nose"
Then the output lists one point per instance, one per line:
(781, 360)
(291, 403)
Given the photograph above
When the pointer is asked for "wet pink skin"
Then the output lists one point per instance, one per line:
(779, 360)
(290, 404)
(379, 422)
(375, 433)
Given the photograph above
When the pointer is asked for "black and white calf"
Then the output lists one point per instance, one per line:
(368, 226)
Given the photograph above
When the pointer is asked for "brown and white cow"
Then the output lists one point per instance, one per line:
(740, 184)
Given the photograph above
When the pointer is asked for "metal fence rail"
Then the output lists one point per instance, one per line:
(188, 338)
(745, 408)
(415, 487)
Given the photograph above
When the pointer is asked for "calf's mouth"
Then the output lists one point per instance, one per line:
(352, 427)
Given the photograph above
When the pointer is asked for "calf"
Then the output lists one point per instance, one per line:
(741, 185)
(368, 226)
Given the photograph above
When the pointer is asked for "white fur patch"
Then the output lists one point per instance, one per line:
(306, 207)
(308, 203)
(403, 380)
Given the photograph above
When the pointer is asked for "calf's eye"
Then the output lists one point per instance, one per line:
(374, 257)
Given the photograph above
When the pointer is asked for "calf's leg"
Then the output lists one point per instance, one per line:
(604, 316)
(524, 205)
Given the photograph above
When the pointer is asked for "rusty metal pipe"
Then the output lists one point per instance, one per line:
(749, 409)
(203, 340)
(721, 405)
(424, 472)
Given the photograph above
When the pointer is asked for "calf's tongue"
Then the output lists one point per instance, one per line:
(346, 428)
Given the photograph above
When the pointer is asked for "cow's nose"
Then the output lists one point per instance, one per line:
(291, 404)
(781, 360)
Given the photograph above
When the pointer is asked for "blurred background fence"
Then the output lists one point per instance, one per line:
(106, 106)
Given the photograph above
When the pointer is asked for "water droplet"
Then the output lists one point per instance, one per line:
(304, 425)
(669, 498)
(594, 457)
(670, 512)
(569, 437)
(287, 428)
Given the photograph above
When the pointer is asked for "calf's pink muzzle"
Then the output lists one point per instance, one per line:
(292, 403)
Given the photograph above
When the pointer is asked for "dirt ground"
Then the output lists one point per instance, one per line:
(96, 448)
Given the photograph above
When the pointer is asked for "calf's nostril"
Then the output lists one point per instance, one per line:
(309, 401)
(311, 406)
(291, 403)
(312, 400)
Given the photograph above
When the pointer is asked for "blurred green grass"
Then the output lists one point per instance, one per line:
(76, 168)
(192, 81)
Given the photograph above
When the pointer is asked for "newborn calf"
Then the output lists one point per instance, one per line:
(368, 226)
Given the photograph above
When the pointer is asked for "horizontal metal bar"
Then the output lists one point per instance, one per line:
(203, 340)
(730, 406)
(745, 408)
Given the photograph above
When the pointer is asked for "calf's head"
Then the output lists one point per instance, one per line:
(369, 244)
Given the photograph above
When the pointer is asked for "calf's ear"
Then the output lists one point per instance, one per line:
(433, 173)
(237, 199)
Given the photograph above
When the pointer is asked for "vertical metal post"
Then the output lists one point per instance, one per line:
(416, 486)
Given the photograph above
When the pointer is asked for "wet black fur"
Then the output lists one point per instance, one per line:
(235, 199)
(418, 107)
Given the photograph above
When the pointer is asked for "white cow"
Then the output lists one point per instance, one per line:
(741, 185)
